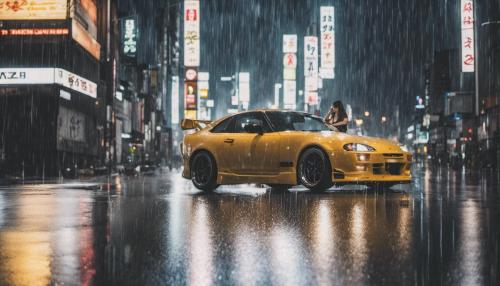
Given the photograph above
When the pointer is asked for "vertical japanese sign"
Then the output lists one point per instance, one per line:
(191, 33)
(290, 44)
(327, 27)
(289, 57)
(310, 56)
(467, 24)
(289, 71)
(311, 70)
(191, 56)
(129, 36)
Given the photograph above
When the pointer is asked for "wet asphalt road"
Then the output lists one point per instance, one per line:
(443, 229)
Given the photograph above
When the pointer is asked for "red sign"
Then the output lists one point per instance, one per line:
(290, 60)
(34, 32)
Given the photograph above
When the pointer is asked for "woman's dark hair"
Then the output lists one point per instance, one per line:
(342, 113)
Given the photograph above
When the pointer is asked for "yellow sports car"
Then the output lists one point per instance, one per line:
(287, 148)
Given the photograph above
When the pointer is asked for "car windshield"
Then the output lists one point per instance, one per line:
(295, 121)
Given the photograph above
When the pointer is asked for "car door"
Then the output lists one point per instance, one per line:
(221, 134)
(250, 153)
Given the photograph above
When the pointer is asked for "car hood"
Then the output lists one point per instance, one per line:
(380, 144)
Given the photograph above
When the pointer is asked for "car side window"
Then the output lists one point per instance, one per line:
(245, 119)
(223, 126)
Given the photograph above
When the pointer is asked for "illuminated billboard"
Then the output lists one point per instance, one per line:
(33, 10)
(190, 95)
(129, 36)
(28, 76)
(34, 32)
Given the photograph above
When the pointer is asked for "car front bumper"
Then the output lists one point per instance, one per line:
(365, 168)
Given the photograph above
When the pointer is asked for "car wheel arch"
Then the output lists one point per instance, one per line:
(325, 181)
(304, 149)
(200, 151)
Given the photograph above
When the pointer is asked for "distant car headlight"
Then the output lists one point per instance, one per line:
(404, 148)
(358, 147)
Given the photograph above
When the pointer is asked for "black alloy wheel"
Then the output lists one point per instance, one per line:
(314, 170)
(204, 171)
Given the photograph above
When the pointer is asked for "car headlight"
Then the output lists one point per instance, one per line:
(404, 148)
(358, 147)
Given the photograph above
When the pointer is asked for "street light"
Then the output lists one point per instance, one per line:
(277, 87)
(367, 113)
(384, 119)
(226, 78)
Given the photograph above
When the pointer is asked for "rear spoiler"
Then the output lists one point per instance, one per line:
(188, 124)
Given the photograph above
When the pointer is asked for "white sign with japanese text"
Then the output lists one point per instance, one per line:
(26, 76)
(310, 56)
(75, 82)
(467, 25)
(191, 33)
(14, 76)
(327, 26)
(290, 44)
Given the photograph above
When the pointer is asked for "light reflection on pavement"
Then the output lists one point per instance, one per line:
(161, 231)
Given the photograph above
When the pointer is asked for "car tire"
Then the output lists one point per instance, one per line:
(279, 188)
(314, 170)
(203, 170)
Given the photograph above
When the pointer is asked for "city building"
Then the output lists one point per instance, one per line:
(56, 78)
(489, 82)
(148, 71)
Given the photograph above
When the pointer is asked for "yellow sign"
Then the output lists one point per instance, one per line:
(33, 9)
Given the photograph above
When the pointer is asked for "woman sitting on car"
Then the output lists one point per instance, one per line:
(337, 117)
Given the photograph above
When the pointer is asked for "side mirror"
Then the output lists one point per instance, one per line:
(254, 128)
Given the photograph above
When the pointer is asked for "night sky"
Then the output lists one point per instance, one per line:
(382, 45)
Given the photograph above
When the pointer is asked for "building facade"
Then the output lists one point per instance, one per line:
(54, 87)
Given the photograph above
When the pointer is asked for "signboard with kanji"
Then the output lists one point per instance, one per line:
(191, 33)
(467, 24)
(327, 26)
(290, 44)
(310, 56)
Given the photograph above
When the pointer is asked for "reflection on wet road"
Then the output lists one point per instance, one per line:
(444, 229)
